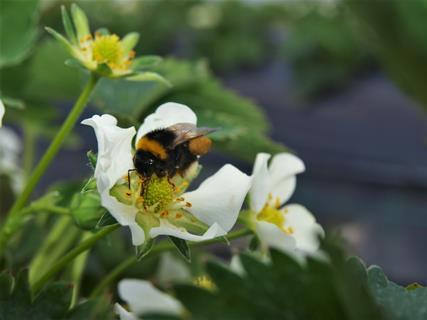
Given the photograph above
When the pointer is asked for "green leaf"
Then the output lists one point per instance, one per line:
(281, 288)
(18, 30)
(394, 30)
(6, 283)
(98, 308)
(54, 300)
(144, 249)
(398, 302)
(243, 125)
(61, 82)
(182, 247)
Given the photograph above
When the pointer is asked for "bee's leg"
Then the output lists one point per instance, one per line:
(171, 183)
(130, 170)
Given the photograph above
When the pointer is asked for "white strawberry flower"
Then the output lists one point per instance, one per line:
(164, 209)
(290, 228)
(143, 298)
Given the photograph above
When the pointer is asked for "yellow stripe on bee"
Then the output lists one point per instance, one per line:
(152, 146)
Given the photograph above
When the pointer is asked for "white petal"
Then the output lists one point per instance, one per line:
(123, 313)
(220, 197)
(2, 110)
(113, 162)
(283, 168)
(306, 230)
(260, 182)
(166, 115)
(168, 229)
(142, 297)
(283, 189)
(138, 235)
(270, 235)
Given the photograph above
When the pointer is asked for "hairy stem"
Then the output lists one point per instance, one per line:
(161, 247)
(71, 255)
(14, 218)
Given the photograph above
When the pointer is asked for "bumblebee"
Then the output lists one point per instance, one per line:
(170, 151)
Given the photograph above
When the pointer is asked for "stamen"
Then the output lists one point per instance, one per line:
(188, 205)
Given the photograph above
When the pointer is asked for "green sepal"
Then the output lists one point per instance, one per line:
(144, 249)
(149, 76)
(80, 21)
(92, 157)
(106, 220)
(145, 62)
(74, 63)
(68, 26)
(182, 247)
(129, 41)
(61, 39)
(254, 243)
(104, 70)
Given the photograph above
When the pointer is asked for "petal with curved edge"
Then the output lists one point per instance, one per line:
(260, 182)
(168, 229)
(2, 111)
(114, 149)
(306, 230)
(142, 297)
(113, 161)
(283, 189)
(166, 115)
(282, 170)
(220, 197)
(138, 235)
(123, 313)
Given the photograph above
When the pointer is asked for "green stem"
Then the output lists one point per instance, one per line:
(29, 149)
(13, 220)
(77, 271)
(161, 247)
(61, 263)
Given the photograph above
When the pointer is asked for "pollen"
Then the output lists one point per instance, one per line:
(276, 217)
(188, 205)
(158, 192)
(107, 49)
(204, 282)
(178, 216)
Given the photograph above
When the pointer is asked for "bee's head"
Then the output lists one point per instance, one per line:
(144, 162)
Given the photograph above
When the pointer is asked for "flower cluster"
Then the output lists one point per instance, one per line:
(102, 53)
(163, 206)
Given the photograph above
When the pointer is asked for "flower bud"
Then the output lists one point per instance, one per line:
(86, 209)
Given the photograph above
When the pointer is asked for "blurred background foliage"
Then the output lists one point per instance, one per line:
(327, 44)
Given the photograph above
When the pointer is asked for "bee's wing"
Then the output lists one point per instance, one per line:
(188, 131)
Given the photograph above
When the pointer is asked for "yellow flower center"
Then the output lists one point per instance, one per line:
(274, 215)
(159, 192)
(107, 49)
(204, 282)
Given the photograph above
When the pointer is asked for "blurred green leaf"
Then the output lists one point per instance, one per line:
(182, 247)
(50, 78)
(394, 29)
(399, 302)
(18, 30)
(282, 289)
(243, 125)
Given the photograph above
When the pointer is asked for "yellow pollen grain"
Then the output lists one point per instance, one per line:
(180, 199)
(178, 216)
(188, 205)
(277, 204)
